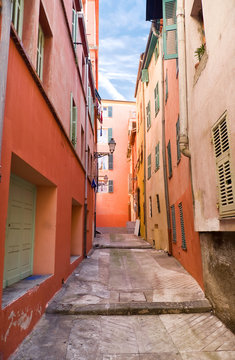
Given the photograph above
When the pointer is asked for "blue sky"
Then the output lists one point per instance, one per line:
(123, 37)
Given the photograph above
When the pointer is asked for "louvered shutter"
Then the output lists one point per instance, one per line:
(183, 238)
(157, 160)
(110, 134)
(225, 178)
(110, 161)
(110, 111)
(145, 75)
(169, 159)
(173, 223)
(170, 29)
(74, 26)
(110, 186)
(178, 140)
(149, 166)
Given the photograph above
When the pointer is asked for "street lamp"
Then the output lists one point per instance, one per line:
(111, 145)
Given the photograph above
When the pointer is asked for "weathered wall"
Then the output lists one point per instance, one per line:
(218, 250)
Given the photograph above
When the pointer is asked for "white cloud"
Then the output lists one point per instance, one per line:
(105, 83)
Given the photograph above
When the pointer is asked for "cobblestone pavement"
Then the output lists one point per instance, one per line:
(138, 282)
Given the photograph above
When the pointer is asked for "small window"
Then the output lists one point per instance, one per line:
(169, 159)
(102, 136)
(183, 244)
(225, 179)
(148, 113)
(40, 52)
(149, 166)
(103, 163)
(157, 157)
(108, 111)
(156, 99)
(158, 204)
(178, 140)
(17, 14)
(150, 207)
(173, 223)
(73, 122)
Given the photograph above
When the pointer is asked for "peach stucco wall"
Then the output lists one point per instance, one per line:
(179, 185)
(112, 208)
(209, 98)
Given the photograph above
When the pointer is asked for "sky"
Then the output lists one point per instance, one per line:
(123, 37)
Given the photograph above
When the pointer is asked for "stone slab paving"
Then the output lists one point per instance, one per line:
(164, 337)
(122, 241)
(114, 280)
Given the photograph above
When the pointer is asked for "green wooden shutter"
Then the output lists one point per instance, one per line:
(157, 158)
(149, 166)
(110, 186)
(110, 161)
(110, 111)
(156, 99)
(183, 245)
(178, 139)
(148, 113)
(169, 159)
(173, 223)
(145, 75)
(166, 86)
(73, 122)
(74, 26)
(170, 29)
(110, 134)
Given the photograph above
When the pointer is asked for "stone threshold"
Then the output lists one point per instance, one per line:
(135, 308)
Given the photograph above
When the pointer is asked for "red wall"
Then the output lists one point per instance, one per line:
(180, 189)
(32, 133)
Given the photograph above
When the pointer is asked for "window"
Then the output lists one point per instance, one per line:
(17, 14)
(82, 143)
(170, 29)
(73, 122)
(183, 244)
(158, 204)
(110, 186)
(157, 157)
(149, 166)
(225, 179)
(156, 99)
(74, 26)
(173, 223)
(169, 159)
(110, 161)
(148, 112)
(197, 13)
(40, 52)
(91, 106)
(150, 207)
(110, 134)
(102, 187)
(178, 140)
(103, 163)
(107, 111)
(104, 135)
(166, 86)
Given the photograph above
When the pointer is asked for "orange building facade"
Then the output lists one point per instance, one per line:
(46, 177)
(112, 198)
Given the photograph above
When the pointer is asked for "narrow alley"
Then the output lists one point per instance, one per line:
(127, 301)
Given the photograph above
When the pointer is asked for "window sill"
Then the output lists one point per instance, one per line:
(19, 289)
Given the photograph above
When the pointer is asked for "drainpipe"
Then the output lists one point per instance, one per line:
(4, 53)
(86, 162)
(184, 143)
(145, 204)
(164, 154)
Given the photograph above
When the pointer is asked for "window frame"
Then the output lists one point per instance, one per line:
(17, 16)
(40, 52)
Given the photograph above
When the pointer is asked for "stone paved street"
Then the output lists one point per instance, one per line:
(171, 319)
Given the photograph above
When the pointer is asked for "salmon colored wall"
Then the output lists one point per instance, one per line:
(112, 208)
(179, 184)
(44, 147)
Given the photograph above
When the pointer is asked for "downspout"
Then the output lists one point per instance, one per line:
(86, 162)
(164, 155)
(183, 104)
(4, 53)
(145, 205)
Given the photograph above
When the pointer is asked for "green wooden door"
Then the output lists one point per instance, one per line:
(19, 231)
